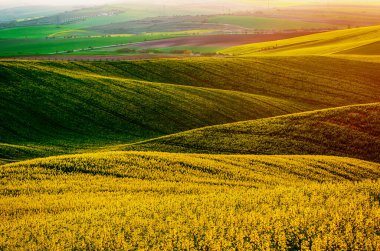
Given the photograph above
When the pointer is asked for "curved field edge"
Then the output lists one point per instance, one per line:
(360, 41)
(187, 201)
(245, 170)
(351, 131)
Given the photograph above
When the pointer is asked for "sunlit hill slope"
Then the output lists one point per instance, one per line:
(348, 131)
(51, 108)
(166, 201)
(358, 41)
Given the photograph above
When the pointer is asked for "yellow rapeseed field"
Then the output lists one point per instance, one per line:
(356, 41)
(163, 201)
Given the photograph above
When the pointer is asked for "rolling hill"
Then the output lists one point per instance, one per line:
(217, 169)
(351, 131)
(362, 41)
(70, 106)
(220, 153)
(316, 82)
(50, 106)
(184, 201)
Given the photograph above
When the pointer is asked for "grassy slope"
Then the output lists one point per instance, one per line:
(71, 105)
(348, 131)
(70, 108)
(194, 202)
(316, 82)
(317, 44)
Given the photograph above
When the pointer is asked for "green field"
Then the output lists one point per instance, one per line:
(105, 100)
(25, 47)
(30, 38)
(79, 39)
(262, 23)
(106, 105)
(360, 41)
(34, 32)
(351, 131)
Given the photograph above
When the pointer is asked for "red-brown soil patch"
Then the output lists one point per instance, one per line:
(219, 40)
